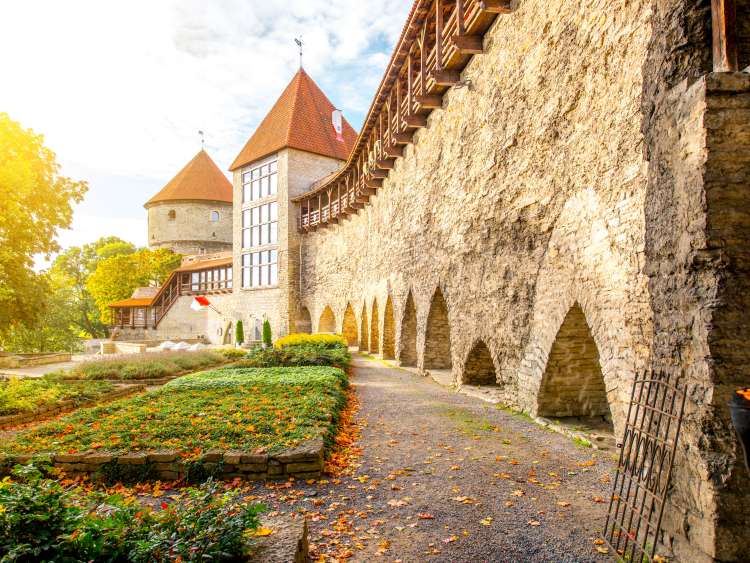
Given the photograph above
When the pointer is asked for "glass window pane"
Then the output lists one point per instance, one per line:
(274, 232)
(256, 173)
(273, 166)
(264, 187)
(246, 218)
(229, 273)
(274, 274)
(274, 184)
(246, 243)
(256, 189)
(256, 276)
(274, 207)
(263, 235)
(256, 258)
(245, 194)
(274, 255)
(256, 236)
(256, 216)
(264, 213)
(245, 259)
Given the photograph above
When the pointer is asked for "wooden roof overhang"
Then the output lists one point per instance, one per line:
(439, 39)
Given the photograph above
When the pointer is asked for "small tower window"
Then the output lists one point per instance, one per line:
(172, 214)
(215, 216)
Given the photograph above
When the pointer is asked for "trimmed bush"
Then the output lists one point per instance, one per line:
(296, 355)
(240, 333)
(267, 336)
(151, 365)
(232, 353)
(325, 340)
(44, 521)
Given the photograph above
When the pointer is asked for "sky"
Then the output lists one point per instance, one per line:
(120, 89)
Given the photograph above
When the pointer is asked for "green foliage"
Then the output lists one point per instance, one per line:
(35, 201)
(232, 353)
(327, 340)
(297, 355)
(267, 336)
(247, 410)
(20, 396)
(42, 521)
(240, 332)
(151, 365)
(118, 275)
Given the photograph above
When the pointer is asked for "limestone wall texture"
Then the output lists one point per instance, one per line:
(191, 230)
(593, 165)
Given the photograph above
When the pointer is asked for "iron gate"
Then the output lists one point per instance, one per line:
(639, 492)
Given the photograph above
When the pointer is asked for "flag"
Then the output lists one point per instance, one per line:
(199, 303)
(338, 124)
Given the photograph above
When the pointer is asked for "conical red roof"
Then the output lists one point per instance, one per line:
(201, 179)
(300, 119)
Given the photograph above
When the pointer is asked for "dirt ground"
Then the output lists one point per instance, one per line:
(445, 477)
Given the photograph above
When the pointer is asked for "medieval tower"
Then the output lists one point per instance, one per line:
(192, 214)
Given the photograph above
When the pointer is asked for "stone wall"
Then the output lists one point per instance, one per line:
(190, 231)
(593, 167)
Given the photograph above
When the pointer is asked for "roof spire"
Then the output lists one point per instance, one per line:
(203, 140)
(299, 43)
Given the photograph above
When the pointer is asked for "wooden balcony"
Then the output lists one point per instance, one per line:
(437, 42)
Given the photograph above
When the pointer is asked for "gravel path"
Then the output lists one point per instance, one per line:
(445, 477)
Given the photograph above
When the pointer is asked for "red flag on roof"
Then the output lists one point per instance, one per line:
(338, 124)
(199, 302)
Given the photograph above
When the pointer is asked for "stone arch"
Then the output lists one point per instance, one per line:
(437, 344)
(407, 353)
(573, 383)
(349, 327)
(375, 328)
(304, 322)
(364, 339)
(327, 322)
(389, 331)
(479, 369)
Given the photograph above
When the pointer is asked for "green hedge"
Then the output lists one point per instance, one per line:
(151, 365)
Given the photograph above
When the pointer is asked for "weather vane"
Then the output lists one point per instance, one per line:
(298, 41)
(203, 140)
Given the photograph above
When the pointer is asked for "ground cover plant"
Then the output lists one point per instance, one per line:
(324, 340)
(300, 350)
(41, 520)
(26, 395)
(151, 365)
(244, 409)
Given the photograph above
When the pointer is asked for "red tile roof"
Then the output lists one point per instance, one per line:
(201, 179)
(300, 119)
(132, 302)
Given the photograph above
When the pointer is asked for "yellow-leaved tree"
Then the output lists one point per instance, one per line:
(35, 201)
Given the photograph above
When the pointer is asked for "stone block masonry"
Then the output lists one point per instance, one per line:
(580, 210)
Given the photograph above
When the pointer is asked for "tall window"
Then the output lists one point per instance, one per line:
(259, 182)
(260, 225)
(260, 269)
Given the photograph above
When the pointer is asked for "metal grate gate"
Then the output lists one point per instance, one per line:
(639, 492)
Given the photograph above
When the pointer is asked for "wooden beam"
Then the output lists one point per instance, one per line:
(431, 102)
(386, 163)
(469, 44)
(374, 183)
(377, 173)
(446, 77)
(394, 151)
(724, 16)
(496, 6)
(416, 121)
(403, 138)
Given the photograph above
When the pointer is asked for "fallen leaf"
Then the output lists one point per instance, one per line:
(598, 542)
(518, 493)
(261, 532)
(563, 503)
(534, 523)
(508, 503)
(486, 521)
(450, 539)
(425, 516)
(603, 550)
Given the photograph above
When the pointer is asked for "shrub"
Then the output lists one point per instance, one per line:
(267, 336)
(240, 333)
(325, 340)
(42, 521)
(297, 355)
(232, 353)
(151, 365)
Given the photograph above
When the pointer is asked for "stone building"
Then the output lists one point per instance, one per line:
(546, 198)
(192, 214)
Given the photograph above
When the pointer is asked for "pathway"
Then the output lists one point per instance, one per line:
(446, 477)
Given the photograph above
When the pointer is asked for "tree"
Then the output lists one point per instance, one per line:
(35, 201)
(116, 277)
(267, 336)
(239, 333)
(70, 272)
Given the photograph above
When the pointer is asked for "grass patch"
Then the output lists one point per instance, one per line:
(240, 409)
(151, 365)
(26, 395)
(516, 413)
(468, 422)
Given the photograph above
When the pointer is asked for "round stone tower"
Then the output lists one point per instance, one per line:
(192, 214)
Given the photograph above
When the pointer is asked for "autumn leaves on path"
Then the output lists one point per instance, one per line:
(437, 476)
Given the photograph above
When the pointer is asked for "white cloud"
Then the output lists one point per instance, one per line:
(121, 89)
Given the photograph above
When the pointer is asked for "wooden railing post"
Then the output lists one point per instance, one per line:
(438, 34)
(723, 16)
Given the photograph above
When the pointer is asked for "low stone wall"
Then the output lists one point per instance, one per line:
(303, 462)
(11, 361)
(66, 406)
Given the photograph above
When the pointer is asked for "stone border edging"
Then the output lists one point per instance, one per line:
(287, 544)
(11, 420)
(303, 462)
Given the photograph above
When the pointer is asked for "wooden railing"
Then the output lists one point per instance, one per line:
(438, 40)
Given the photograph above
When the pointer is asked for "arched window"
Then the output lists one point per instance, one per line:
(172, 214)
(215, 216)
